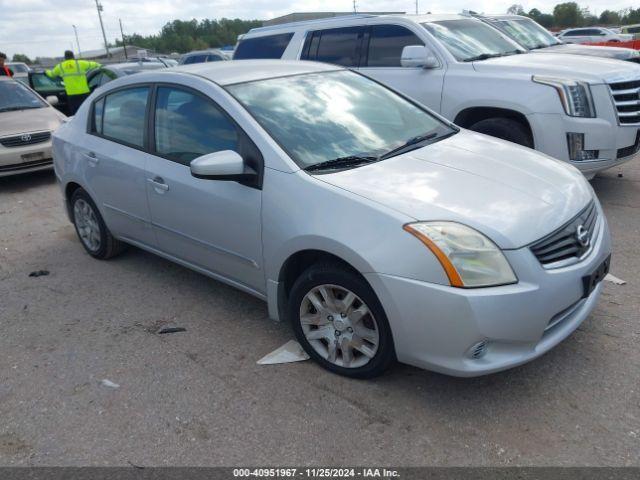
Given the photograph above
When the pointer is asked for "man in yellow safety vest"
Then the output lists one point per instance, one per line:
(74, 75)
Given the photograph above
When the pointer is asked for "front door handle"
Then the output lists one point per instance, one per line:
(158, 184)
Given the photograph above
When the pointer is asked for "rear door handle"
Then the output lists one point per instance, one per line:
(92, 157)
(158, 184)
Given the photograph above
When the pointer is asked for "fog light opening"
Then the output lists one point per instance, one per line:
(577, 153)
(478, 350)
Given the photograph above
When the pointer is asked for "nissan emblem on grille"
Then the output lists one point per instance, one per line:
(26, 137)
(582, 235)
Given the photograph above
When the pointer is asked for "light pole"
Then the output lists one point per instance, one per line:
(75, 30)
(416, 7)
(104, 35)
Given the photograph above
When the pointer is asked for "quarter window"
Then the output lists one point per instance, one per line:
(270, 46)
(386, 43)
(122, 115)
(188, 126)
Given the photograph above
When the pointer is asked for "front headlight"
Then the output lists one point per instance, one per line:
(575, 96)
(468, 257)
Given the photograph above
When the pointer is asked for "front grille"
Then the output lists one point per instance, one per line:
(563, 246)
(631, 149)
(25, 139)
(626, 97)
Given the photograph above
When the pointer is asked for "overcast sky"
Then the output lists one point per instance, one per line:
(44, 27)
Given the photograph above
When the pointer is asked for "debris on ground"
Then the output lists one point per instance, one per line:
(614, 279)
(287, 353)
(39, 273)
(172, 330)
(109, 383)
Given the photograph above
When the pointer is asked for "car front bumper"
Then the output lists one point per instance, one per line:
(436, 327)
(610, 139)
(29, 158)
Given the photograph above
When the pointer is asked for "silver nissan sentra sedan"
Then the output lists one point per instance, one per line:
(378, 229)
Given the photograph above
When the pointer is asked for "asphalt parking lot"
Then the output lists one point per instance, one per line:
(199, 398)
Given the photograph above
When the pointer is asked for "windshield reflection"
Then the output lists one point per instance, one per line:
(528, 33)
(468, 39)
(324, 116)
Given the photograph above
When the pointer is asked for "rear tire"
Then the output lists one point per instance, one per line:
(505, 129)
(348, 333)
(93, 233)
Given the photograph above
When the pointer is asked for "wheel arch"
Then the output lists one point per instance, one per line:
(298, 262)
(471, 115)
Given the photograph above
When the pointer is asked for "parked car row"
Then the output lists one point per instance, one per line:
(360, 192)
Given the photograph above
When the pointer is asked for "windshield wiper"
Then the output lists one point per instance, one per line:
(482, 56)
(342, 162)
(539, 46)
(411, 144)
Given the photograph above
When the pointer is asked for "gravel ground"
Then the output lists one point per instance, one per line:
(199, 398)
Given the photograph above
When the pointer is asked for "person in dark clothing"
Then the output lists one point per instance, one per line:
(4, 70)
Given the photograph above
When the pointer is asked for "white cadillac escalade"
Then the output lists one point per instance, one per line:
(583, 110)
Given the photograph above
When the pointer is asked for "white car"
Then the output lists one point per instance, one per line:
(26, 124)
(592, 35)
(583, 110)
(377, 228)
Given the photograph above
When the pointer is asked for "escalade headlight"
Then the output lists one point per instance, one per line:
(575, 96)
(468, 257)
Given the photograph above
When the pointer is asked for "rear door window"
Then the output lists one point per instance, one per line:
(123, 116)
(386, 43)
(340, 46)
(270, 46)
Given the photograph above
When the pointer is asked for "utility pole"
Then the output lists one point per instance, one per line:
(416, 7)
(75, 30)
(124, 44)
(355, 10)
(104, 35)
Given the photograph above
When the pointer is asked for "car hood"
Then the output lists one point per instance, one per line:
(28, 121)
(512, 194)
(593, 51)
(594, 70)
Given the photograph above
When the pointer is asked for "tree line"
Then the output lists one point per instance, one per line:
(183, 36)
(570, 14)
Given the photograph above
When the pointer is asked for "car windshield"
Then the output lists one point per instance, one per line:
(468, 39)
(15, 96)
(528, 33)
(323, 117)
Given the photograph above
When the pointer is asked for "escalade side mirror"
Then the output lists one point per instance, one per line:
(225, 165)
(418, 56)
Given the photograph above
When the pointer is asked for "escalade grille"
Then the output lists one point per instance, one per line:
(626, 97)
(25, 139)
(564, 244)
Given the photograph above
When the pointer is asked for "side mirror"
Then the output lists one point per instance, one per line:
(225, 165)
(52, 100)
(418, 56)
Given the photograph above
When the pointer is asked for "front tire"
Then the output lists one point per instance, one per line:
(505, 129)
(340, 322)
(93, 233)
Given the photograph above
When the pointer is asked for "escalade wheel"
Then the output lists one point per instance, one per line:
(505, 129)
(340, 323)
(91, 229)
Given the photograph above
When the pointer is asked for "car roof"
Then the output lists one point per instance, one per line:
(351, 19)
(200, 52)
(239, 71)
